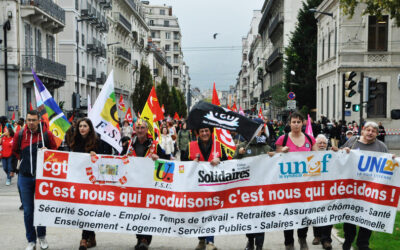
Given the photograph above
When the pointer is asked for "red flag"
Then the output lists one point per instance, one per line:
(71, 118)
(229, 107)
(128, 116)
(215, 99)
(260, 115)
(30, 106)
(121, 104)
(176, 116)
(13, 116)
(234, 108)
(154, 105)
(163, 109)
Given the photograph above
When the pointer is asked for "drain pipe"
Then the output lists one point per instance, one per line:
(6, 27)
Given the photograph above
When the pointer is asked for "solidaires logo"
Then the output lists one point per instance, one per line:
(311, 167)
(164, 171)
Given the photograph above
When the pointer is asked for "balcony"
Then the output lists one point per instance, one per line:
(44, 13)
(102, 79)
(163, 25)
(54, 71)
(131, 4)
(275, 23)
(276, 54)
(91, 77)
(123, 22)
(123, 54)
(106, 4)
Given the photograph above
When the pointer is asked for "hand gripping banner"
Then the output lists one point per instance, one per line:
(251, 195)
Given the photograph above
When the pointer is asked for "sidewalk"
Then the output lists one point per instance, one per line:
(13, 233)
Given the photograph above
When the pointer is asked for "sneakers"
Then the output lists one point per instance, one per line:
(201, 245)
(250, 245)
(31, 246)
(43, 243)
(303, 244)
(316, 241)
(8, 182)
(289, 247)
(210, 246)
(327, 245)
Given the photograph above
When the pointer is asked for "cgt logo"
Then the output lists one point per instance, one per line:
(312, 167)
(55, 164)
(164, 171)
(377, 164)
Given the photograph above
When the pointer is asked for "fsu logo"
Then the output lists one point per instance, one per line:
(164, 171)
(55, 164)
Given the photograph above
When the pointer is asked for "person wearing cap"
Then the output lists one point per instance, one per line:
(349, 134)
(143, 146)
(257, 146)
(206, 149)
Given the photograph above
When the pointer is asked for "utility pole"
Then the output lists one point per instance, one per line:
(361, 86)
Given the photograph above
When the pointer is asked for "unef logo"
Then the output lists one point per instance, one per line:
(312, 167)
(377, 165)
(164, 174)
(55, 164)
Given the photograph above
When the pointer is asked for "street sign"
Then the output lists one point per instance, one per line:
(291, 104)
(347, 113)
(291, 96)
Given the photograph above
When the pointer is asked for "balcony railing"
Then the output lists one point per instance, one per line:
(49, 7)
(164, 25)
(125, 22)
(276, 54)
(44, 66)
(92, 75)
(124, 54)
(276, 21)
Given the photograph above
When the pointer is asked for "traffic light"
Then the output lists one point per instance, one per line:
(349, 83)
(370, 89)
(356, 107)
(347, 105)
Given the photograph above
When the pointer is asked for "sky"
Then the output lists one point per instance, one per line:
(212, 60)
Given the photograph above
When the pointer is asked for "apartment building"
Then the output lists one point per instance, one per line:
(29, 41)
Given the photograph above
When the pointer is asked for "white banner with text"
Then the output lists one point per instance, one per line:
(255, 194)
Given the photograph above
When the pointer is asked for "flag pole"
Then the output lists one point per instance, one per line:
(41, 132)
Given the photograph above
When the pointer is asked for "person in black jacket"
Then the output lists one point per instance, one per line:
(85, 140)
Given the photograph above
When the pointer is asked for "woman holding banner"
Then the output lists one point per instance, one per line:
(295, 141)
(85, 140)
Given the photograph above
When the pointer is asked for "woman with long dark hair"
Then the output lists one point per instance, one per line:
(85, 140)
(6, 141)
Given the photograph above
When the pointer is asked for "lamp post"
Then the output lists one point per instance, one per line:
(321, 12)
(6, 27)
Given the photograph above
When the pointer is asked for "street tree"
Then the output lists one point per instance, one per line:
(278, 95)
(301, 57)
(142, 88)
(182, 106)
(174, 103)
(374, 8)
(162, 91)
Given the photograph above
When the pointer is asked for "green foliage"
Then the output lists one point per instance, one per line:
(301, 57)
(374, 8)
(162, 91)
(182, 104)
(304, 111)
(174, 104)
(278, 95)
(142, 88)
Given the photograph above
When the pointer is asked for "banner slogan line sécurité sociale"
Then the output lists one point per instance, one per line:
(256, 194)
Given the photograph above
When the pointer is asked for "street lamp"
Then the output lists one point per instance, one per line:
(321, 12)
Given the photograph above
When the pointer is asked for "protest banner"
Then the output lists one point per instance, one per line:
(255, 194)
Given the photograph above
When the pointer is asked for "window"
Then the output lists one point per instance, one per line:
(76, 5)
(329, 45)
(166, 23)
(176, 59)
(167, 47)
(153, 34)
(83, 71)
(28, 39)
(167, 35)
(162, 12)
(335, 39)
(50, 54)
(151, 22)
(176, 35)
(334, 101)
(323, 50)
(322, 101)
(377, 106)
(327, 102)
(38, 43)
(168, 59)
(244, 56)
(377, 33)
(28, 98)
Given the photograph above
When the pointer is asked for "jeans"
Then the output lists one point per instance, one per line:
(208, 239)
(301, 233)
(350, 232)
(7, 166)
(27, 186)
(259, 237)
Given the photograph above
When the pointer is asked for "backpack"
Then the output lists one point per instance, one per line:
(287, 136)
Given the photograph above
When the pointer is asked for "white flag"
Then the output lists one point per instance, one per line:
(104, 115)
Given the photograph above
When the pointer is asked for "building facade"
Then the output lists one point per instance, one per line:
(29, 41)
(369, 47)
(166, 35)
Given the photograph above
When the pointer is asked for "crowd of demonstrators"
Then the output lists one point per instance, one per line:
(184, 137)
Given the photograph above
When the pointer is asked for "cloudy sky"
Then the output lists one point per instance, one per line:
(212, 60)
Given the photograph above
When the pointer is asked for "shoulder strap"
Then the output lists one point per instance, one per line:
(308, 138)
(355, 140)
(285, 140)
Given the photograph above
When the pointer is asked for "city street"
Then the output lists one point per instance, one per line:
(13, 232)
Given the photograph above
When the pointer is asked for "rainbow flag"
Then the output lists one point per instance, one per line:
(57, 122)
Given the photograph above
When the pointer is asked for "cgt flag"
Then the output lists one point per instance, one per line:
(121, 104)
(207, 114)
(104, 115)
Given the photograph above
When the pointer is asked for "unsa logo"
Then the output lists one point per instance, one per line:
(55, 164)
